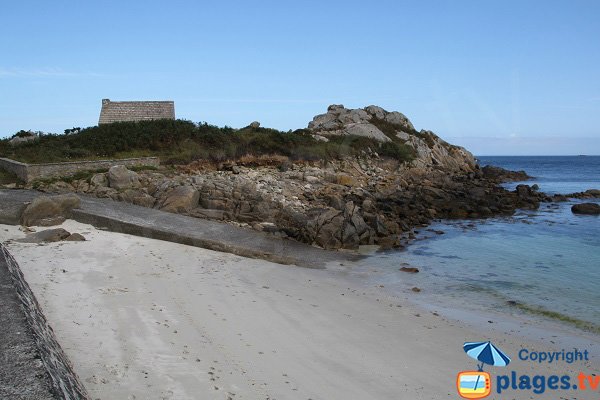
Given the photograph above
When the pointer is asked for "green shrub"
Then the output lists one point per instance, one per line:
(179, 142)
(23, 133)
(397, 151)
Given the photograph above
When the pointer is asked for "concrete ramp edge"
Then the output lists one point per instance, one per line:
(63, 377)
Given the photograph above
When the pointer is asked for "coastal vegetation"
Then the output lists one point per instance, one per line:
(181, 142)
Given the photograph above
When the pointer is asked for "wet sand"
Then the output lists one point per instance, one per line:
(146, 319)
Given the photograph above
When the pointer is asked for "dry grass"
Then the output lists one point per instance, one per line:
(264, 160)
(346, 180)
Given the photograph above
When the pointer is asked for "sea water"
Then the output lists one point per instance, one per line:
(547, 261)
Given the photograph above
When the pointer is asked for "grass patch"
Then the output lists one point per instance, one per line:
(397, 151)
(138, 168)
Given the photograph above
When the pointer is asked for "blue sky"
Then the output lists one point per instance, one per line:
(499, 77)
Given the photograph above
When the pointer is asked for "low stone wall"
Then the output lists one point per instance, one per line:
(14, 167)
(31, 172)
(64, 379)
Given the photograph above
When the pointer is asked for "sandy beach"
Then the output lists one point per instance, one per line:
(147, 319)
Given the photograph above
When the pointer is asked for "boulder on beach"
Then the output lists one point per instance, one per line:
(586, 208)
(46, 236)
(49, 210)
(75, 237)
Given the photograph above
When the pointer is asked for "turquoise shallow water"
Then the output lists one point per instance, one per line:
(548, 259)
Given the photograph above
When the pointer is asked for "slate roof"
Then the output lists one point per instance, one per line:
(118, 111)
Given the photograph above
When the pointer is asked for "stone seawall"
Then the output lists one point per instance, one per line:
(14, 167)
(63, 377)
(31, 172)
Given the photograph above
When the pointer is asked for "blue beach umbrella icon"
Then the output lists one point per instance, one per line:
(487, 353)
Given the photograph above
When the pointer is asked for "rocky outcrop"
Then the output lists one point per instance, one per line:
(333, 229)
(586, 208)
(588, 194)
(119, 177)
(376, 123)
(342, 204)
(338, 119)
(431, 151)
(339, 203)
(48, 211)
(23, 137)
(500, 175)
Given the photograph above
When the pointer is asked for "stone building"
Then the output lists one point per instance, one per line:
(119, 111)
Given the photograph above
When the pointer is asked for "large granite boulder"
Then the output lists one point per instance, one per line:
(180, 199)
(49, 210)
(23, 137)
(377, 123)
(366, 130)
(119, 177)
